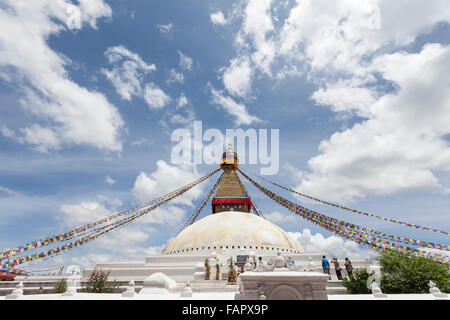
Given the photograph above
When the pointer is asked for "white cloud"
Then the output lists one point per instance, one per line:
(166, 29)
(43, 138)
(128, 71)
(74, 114)
(184, 61)
(127, 76)
(182, 101)
(175, 77)
(237, 78)
(218, 18)
(256, 48)
(6, 132)
(155, 97)
(10, 192)
(109, 180)
(170, 215)
(332, 246)
(188, 119)
(242, 117)
(165, 179)
(257, 25)
(142, 142)
(353, 52)
(343, 96)
(279, 218)
(84, 212)
(401, 144)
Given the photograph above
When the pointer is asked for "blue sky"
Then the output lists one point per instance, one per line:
(90, 92)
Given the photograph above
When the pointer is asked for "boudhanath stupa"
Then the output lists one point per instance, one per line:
(231, 231)
(235, 233)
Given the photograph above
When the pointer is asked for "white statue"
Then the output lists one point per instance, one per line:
(279, 263)
(17, 292)
(71, 288)
(248, 266)
(199, 271)
(311, 265)
(435, 290)
(376, 291)
(261, 293)
(130, 292)
(187, 291)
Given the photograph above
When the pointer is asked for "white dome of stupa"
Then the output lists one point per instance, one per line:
(233, 232)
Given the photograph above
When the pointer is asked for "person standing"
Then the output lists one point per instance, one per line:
(325, 265)
(348, 267)
(337, 268)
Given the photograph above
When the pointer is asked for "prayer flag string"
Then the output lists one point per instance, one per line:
(415, 226)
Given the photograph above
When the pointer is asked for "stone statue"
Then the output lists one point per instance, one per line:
(279, 261)
(311, 266)
(435, 290)
(187, 291)
(261, 293)
(376, 291)
(71, 288)
(17, 292)
(199, 271)
(248, 266)
(130, 292)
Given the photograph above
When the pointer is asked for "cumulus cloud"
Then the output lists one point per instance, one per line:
(352, 52)
(242, 117)
(126, 242)
(256, 48)
(68, 113)
(401, 143)
(84, 212)
(167, 178)
(128, 71)
(7, 132)
(185, 120)
(332, 246)
(155, 97)
(279, 218)
(218, 18)
(237, 78)
(170, 215)
(182, 101)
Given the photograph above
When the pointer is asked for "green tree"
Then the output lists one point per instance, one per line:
(98, 283)
(409, 273)
(357, 284)
(60, 286)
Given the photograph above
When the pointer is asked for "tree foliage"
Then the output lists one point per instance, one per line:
(409, 273)
(98, 283)
(357, 283)
(60, 286)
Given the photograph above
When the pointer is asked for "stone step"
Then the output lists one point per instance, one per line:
(336, 290)
(334, 283)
